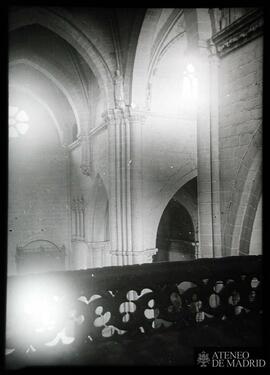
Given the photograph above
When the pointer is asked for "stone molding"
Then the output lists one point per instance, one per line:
(238, 33)
(102, 245)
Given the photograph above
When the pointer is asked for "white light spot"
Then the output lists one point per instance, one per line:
(190, 68)
(9, 351)
(22, 116)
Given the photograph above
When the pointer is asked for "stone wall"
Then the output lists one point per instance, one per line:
(168, 162)
(38, 201)
(240, 107)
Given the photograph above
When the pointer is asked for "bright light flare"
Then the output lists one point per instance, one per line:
(35, 309)
(40, 310)
(189, 89)
(175, 94)
(190, 68)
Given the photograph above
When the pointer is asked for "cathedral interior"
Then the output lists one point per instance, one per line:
(134, 184)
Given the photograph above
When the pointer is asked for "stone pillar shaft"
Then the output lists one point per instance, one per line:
(204, 157)
(120, 193)
(208, 156)
(126, 214)
(215, 166)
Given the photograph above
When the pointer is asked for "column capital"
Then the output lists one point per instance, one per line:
(86, 169)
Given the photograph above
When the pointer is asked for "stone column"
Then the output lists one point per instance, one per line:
(208, 154)
(120, 190)
(214, 139)
(204, 156)
(140, 253)
(199, 30)
(68, 260)
(126, 216)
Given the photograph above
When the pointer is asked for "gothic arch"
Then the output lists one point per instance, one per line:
(247, 208)
(147, 52)
(250, 214)
(161, 44)
(151, 46)
(186, 201)
(165, 196)
(248, 177)
(56, 76)
(176, 234)
(60, 25)
(131, 53)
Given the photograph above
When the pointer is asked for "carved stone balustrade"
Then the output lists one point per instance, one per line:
(112, 304)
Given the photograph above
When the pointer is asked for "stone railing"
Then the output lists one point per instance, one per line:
(68, 311)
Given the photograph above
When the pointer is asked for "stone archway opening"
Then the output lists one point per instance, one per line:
(176, 234)
(177, 229)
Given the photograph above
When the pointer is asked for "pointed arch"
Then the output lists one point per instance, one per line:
(248, 177)
(147, 51)
(24, 90)
(59, 24)
(165, 196)
(71, 96)
(177, 229)
(247, 208)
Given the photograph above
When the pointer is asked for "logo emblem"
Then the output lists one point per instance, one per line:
(203, 359)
